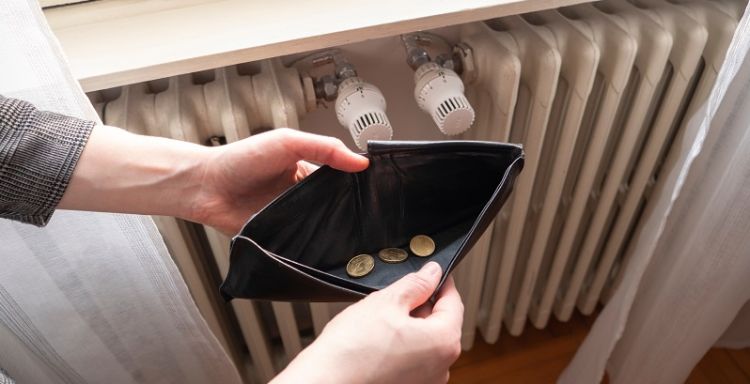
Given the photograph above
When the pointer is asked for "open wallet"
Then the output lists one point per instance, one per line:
(297, 248)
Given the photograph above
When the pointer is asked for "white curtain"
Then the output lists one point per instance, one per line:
(91, 298)
(688, 277)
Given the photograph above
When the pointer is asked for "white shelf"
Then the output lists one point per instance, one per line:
(116, 42)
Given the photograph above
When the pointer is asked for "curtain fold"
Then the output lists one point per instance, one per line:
(688, 275)
(93, 297)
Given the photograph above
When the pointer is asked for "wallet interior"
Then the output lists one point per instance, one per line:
(438, 192)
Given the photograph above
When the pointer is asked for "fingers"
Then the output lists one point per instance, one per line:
(324, 150)
(304, 169)
(414, 289)
(448, 309)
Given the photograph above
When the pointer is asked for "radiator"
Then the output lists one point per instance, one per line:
(597, 93)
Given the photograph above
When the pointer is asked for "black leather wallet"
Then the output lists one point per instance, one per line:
(297, 247)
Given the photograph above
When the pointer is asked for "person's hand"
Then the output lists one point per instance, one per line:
(242, 177)
(381, 339)
(219, 186)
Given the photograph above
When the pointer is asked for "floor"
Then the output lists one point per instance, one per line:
(722, 366)
(539, 356)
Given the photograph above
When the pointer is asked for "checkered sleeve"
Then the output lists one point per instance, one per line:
(38, 153)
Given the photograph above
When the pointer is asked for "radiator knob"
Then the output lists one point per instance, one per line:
(360, 107)
(440, 92)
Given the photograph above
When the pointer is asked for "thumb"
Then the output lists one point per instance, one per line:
(415, 288)
(324, 150)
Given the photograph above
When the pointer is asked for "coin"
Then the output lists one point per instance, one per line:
(360, 265)
(422, 245)
(392, 255)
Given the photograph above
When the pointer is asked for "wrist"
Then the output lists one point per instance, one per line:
(316, 364)
(180, 181)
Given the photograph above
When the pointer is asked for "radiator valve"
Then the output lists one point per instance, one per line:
(440, 92)
(360, 107)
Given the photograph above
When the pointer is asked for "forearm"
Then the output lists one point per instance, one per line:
(122, 172)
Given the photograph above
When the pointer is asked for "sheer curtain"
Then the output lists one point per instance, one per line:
(688, 277)
(91, 298)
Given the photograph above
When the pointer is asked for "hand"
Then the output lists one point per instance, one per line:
(379, 340)
(219, 186)
(243, 177)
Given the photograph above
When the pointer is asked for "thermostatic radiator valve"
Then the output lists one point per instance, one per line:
(360, 107)
(439, 90)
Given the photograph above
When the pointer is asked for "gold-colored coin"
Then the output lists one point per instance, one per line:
(360, 265)
(422, 245)
(392, 255)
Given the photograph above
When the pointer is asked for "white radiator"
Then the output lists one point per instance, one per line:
(596, 93)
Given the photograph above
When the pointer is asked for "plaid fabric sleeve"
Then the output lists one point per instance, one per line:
(38, 153)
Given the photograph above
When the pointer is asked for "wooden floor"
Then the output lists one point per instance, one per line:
(539, 356)
(722, 366)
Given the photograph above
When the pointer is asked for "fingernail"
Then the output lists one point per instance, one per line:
(432, 268)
